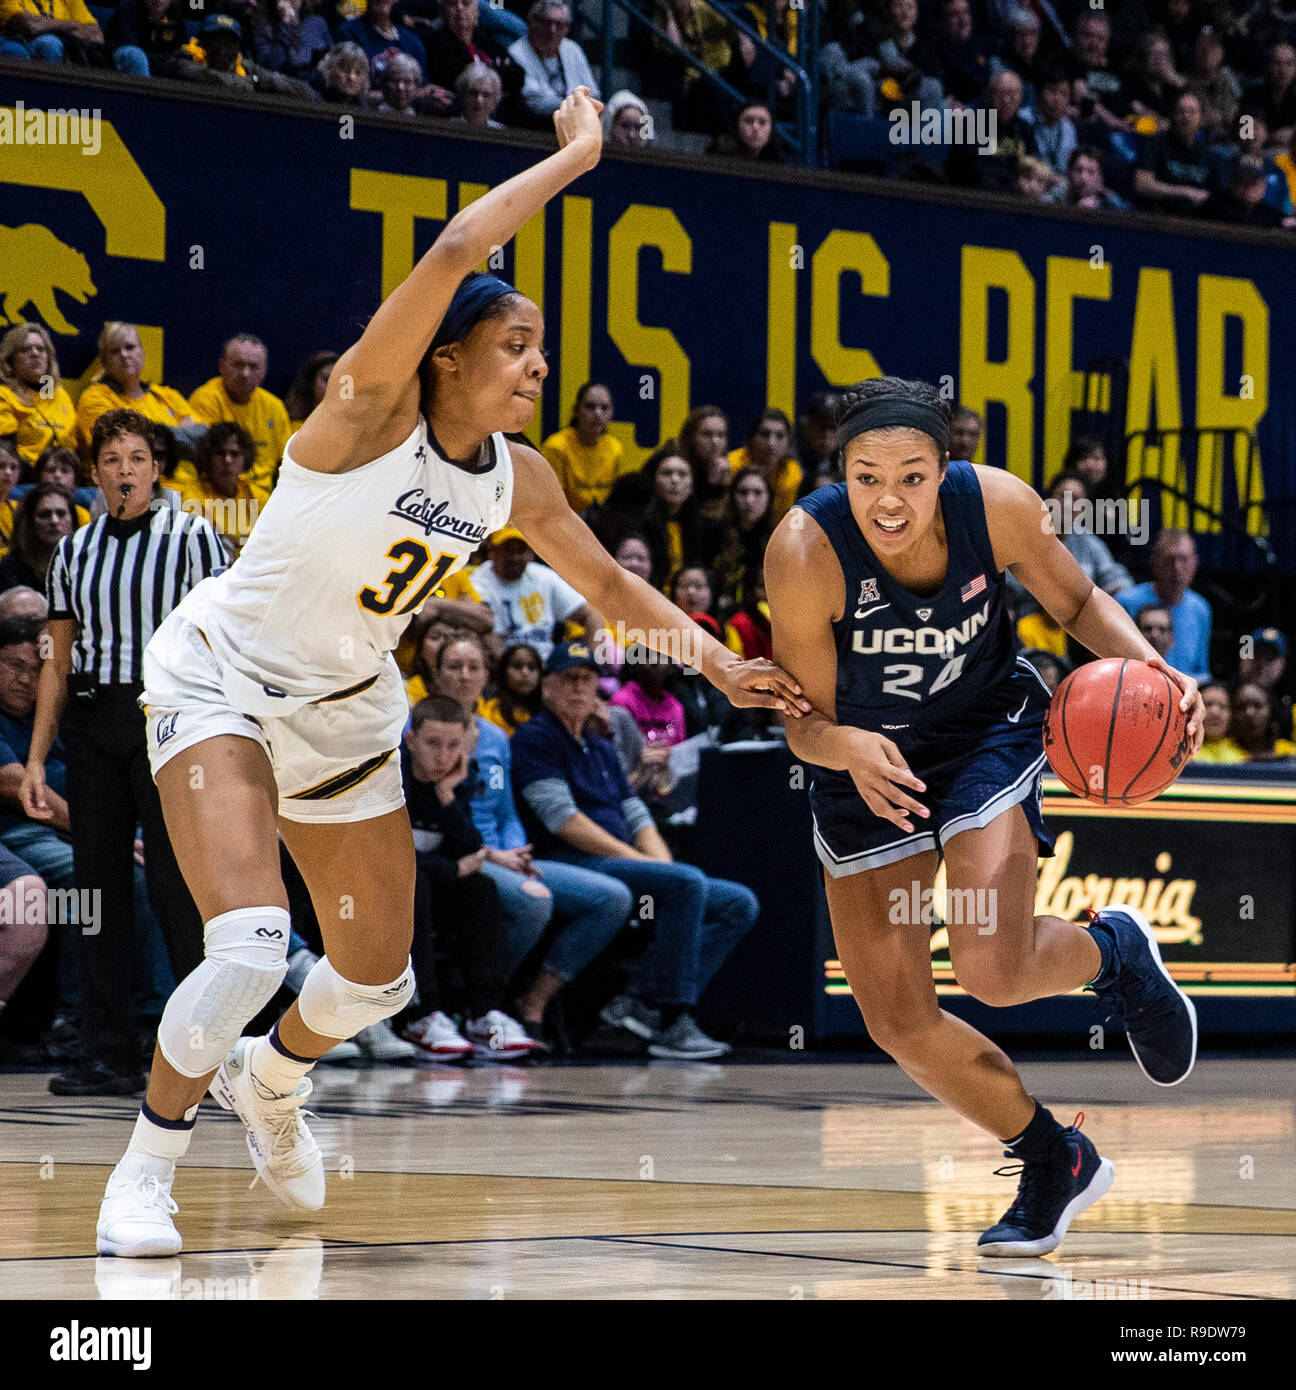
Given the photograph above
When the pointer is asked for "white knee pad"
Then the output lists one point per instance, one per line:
(335, 1007)
(247, 958)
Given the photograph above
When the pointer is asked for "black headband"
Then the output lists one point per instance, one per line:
(893, 411)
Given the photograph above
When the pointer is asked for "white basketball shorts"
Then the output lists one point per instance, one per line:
(335, 760)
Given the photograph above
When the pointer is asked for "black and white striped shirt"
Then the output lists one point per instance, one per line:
(119, 579)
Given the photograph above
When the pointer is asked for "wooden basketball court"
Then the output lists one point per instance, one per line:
(805, 1179)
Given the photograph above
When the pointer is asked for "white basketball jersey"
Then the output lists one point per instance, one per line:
(339, 562)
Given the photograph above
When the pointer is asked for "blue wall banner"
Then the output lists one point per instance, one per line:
(672, 282)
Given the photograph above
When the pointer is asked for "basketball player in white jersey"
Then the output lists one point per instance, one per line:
(275, 706)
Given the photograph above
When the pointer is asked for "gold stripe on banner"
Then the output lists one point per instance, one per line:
(574, 339)
(400, 199)
(1184, 810)
(786, 260)
(1200, 791)
(528, 277)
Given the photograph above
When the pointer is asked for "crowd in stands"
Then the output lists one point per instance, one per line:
(1180, 106)
(551, 773)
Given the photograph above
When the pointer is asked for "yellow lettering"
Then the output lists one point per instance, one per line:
(1154, 376)
(1176, 907)
(1006, 382)
(574, 342)
(839, 252)
(643, 345)
(1068, 280)
(528, 276)
(781, 334)
(1220, 298)
(399, 199)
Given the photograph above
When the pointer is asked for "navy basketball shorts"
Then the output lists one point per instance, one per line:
(971, 779)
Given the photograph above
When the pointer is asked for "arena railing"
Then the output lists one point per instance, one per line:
(803, 139)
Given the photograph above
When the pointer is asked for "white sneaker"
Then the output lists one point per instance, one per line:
(135, 1215)
(287, 1158)
(380, 1044)
(437, 1038)
(345, 1051)
(498, 1038)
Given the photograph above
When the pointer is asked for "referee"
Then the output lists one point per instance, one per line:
(110, 584)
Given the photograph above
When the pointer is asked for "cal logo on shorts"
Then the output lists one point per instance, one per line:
(166, 728)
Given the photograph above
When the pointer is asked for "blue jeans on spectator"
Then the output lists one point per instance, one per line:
(47, 48)
(591, 907)
(697, 922)
(131, 58)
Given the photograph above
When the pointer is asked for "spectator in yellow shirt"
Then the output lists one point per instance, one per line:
(47, 30)
(769, 451)
(10, 468)
(35, 410)
(586, 458)
(60, 467)
(1217, 715)
(308, 387)
(237, 395)
(1256, 725)
(220, 491)
(517, 685)
(120, 386)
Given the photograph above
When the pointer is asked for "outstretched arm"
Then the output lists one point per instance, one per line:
(373, 389)
(562, 540)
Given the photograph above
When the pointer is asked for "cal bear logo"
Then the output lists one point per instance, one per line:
(34, 266)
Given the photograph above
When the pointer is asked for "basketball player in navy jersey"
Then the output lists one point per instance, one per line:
(887, 599)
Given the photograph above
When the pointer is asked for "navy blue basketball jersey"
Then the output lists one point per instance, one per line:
(917, 667)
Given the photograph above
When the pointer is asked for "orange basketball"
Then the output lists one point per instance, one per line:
(1114, 732)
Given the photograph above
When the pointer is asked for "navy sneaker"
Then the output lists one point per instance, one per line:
(1049, 1197)
(1158, 1017)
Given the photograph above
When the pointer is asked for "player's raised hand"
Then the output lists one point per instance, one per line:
(881, 776)
(1190, 701)
(577, 120)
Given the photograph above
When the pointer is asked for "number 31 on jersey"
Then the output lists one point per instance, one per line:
(412, 557)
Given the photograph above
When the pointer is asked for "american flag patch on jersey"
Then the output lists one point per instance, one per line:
(973, 589)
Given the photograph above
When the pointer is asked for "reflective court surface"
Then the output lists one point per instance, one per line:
(813, 1179)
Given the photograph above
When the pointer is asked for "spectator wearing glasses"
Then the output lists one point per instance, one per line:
(553, 66)
(572, 790)
(1174, 566)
